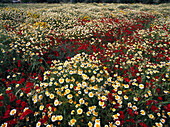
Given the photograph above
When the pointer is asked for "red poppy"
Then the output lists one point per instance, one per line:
(8, 107)
(42, 68)
(30, 84)
(19, 63)
(1, 97)
(13, 81)
(27, 90)
(40, 78)
(28, 111)
(1, 103)
(48, 105)
(148, 102)
(23, 104)
(12, 97)
(154, 109)
(127, 79)
(132, 120)
(122, 116)
(14, 121)
(18, 102)
(3, 80)
(143, 124)
(158, 90)
(7, 115)
(160, 98)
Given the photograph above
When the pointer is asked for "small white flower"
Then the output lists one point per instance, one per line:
(38, 124)
(91, 94)
(141, 86)
(53, 118)
(79, 111)
(41, 107)
(56, 102)
(117, 122)
(13, 112)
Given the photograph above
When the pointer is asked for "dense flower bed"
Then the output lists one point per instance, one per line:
(68, 65)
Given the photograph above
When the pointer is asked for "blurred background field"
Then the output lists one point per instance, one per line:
(106, 63)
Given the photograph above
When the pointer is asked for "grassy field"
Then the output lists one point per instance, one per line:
(84, 65)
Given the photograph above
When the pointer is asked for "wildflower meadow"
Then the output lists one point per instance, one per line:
(84, 65)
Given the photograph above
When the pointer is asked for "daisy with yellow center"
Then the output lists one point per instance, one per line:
(97, 121)
(67, 91)
(104, 98)
(109, 79)
(85, 91)
(40, 97)
(4, 125)
(36, 113)
(134, 108)
(68, 80)
(141, 86)
(9, 88)
(51, 96)
(17, 85)
(95, 113)
(162, 120)
(97, 125)
(101, 103)
(56, 102)
(113, 109)
(159, 124)
(135, 99)
(88, 113)
(61, 80)
(72, 112)
(91, 94)
(158, 114)
(47, 93)
(125, 97)
(53, 118)
(84, 84)
(72, 122)
(25, 109)
(129, 105)
(50, 83)
(90, 124)
(60, 67)
(79, 85)
(57, 118)
(13, 112)
(79, 111)
(85, 77)
(71, 86)
(166, 91)
(81, 101)
(142, 112)
(119, 101)
(41, 107)
(117, 97)
(116, 116)
(60, 117)
(151, 116)
(119, 92)
(69, 96)
(38, 124)
(117, 122)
